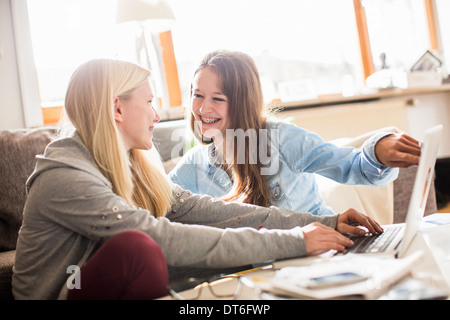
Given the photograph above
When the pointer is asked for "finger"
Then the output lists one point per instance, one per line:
(412, 146)
(399, 164)
(403, 158)
(410, 159)
(336, 238)
(409, 149)
(353, 230)
(327, 246)
(367, 222)
(336, 246)
(404, 146)
(375, 225)
(320, 238)
(404, 138)
(351, 219)
(411, 139)
(344, 241)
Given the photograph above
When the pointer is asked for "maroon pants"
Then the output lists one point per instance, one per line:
(128, 266)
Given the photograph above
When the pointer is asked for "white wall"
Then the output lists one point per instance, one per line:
(430, 110)
(11, 114)
(350, 120)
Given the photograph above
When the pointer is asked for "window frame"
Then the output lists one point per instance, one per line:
(433, 25)
(51, 115)
(363, 32)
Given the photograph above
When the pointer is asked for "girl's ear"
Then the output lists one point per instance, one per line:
(117, 109)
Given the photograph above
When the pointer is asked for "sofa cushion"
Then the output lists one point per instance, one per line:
(376, 202)
(18, 149)
(6, 264)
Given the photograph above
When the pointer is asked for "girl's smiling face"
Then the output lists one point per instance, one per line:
(209, 104)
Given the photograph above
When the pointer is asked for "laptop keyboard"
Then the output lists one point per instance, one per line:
(370, 243)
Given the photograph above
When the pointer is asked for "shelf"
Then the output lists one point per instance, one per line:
(337, 99)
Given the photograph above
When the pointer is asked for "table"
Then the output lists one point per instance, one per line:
(433, 269)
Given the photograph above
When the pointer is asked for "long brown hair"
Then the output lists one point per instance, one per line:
(240, 82)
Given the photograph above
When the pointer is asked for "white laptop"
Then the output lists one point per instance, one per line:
(396, 238)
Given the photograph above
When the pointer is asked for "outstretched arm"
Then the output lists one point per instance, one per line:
(192, 208)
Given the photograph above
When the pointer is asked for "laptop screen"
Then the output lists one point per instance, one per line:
(419, 196)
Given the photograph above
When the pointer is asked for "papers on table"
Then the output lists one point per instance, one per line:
(367, 276)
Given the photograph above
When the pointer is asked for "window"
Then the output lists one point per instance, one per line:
(303, 48)
(312, 42)
(443, 10)
(67, 33)
(301, 43)
(398, 29)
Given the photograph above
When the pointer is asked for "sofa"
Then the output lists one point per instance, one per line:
(19, 148)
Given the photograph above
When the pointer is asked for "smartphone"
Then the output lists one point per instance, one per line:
(332, 280)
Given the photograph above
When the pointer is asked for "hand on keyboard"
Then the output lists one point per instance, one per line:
(320, 238)
(351, 220)
(371, 243)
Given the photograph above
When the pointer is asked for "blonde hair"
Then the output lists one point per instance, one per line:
(90, 108)
(240, 82)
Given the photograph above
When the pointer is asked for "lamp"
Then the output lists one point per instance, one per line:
(157, 16)
(138, 10)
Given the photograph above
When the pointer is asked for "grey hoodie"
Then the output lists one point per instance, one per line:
(71, 210)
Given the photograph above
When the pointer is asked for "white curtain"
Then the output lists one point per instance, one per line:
(25, 63)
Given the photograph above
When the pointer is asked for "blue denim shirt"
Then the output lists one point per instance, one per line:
(296, 155)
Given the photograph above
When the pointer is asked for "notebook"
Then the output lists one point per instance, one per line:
(396, 238)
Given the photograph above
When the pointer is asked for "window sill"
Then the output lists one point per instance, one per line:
(374, 95)
(52, 114)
